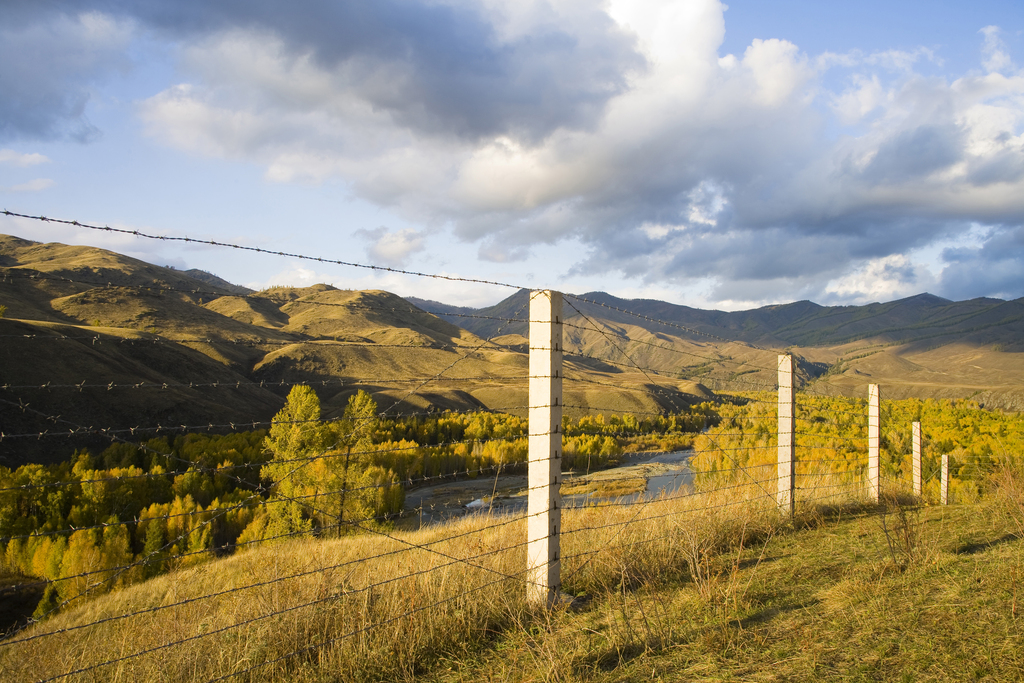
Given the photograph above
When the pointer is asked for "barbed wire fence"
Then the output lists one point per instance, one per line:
(561, 522)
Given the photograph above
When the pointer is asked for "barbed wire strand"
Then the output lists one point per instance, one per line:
(259, 250)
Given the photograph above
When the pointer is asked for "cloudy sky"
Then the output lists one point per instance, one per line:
(718, 156)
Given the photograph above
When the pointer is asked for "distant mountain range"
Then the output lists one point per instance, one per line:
(803, 323)
(95, 339)
(922, 346)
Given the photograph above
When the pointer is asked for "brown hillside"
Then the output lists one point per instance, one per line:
(150, 343)
(255, 311)
(923, 346)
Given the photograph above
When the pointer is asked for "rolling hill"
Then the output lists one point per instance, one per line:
(803, 323)
(923, 346)
(101, 346)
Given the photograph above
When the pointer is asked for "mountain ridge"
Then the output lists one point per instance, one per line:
(97, 343)
(148, 346)
(775, 324)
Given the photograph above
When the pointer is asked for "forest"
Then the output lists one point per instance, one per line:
(104, 520)
(100, 521)
(831, 439)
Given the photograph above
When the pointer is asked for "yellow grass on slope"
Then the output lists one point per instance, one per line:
(375, 606)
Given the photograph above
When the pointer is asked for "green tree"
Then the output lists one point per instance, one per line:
(378, 494)
(354, 432)
(194, 483)
(297, 442)
(297, 429)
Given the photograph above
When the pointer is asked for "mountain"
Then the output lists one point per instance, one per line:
(220, 283)
(95, 341)
(803, 323)
(438, 307)
(922, 346)
(99, 345)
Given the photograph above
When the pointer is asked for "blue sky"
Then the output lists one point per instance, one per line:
(714, 156)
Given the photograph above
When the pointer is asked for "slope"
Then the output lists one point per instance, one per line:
(825, 598)
(922, 346)
(100, 344)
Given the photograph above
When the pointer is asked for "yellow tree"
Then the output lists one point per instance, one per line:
(354, 433)
(297, 440)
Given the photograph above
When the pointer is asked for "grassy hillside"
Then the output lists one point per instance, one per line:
(920, 347)
(702, 587)
(98, 341)
(802, 323)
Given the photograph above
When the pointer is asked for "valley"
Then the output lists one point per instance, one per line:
(98, 344)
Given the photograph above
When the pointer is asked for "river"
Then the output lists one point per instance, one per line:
(663, 473)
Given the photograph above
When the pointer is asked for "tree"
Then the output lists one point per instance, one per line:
(81, 558)
(153, 551)
(379, 493)
(354, 432)
(297, 440)
(297, 428)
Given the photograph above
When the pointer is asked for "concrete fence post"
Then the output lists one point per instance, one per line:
(944, 490)
(916, 444)
(874, 426)
(787, 464)
(544, 504)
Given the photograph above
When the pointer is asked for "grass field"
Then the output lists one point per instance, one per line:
(826, 602)
(707, 587)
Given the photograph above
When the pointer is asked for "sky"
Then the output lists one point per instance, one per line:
(715, 155)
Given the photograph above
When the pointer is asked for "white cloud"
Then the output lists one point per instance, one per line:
(691, 166)
(9, 156)
(902, 61)
(391, 248)
(863, 97)
(656, 231)
(996, 58)
(881, 279)
(778, 68)
(707, 201)
(36, 185)
(672, 34)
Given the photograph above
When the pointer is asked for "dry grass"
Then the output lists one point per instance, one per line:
(710, 586)
(1009, 493)
(349, 594)
(368, 607)
(821, 602)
